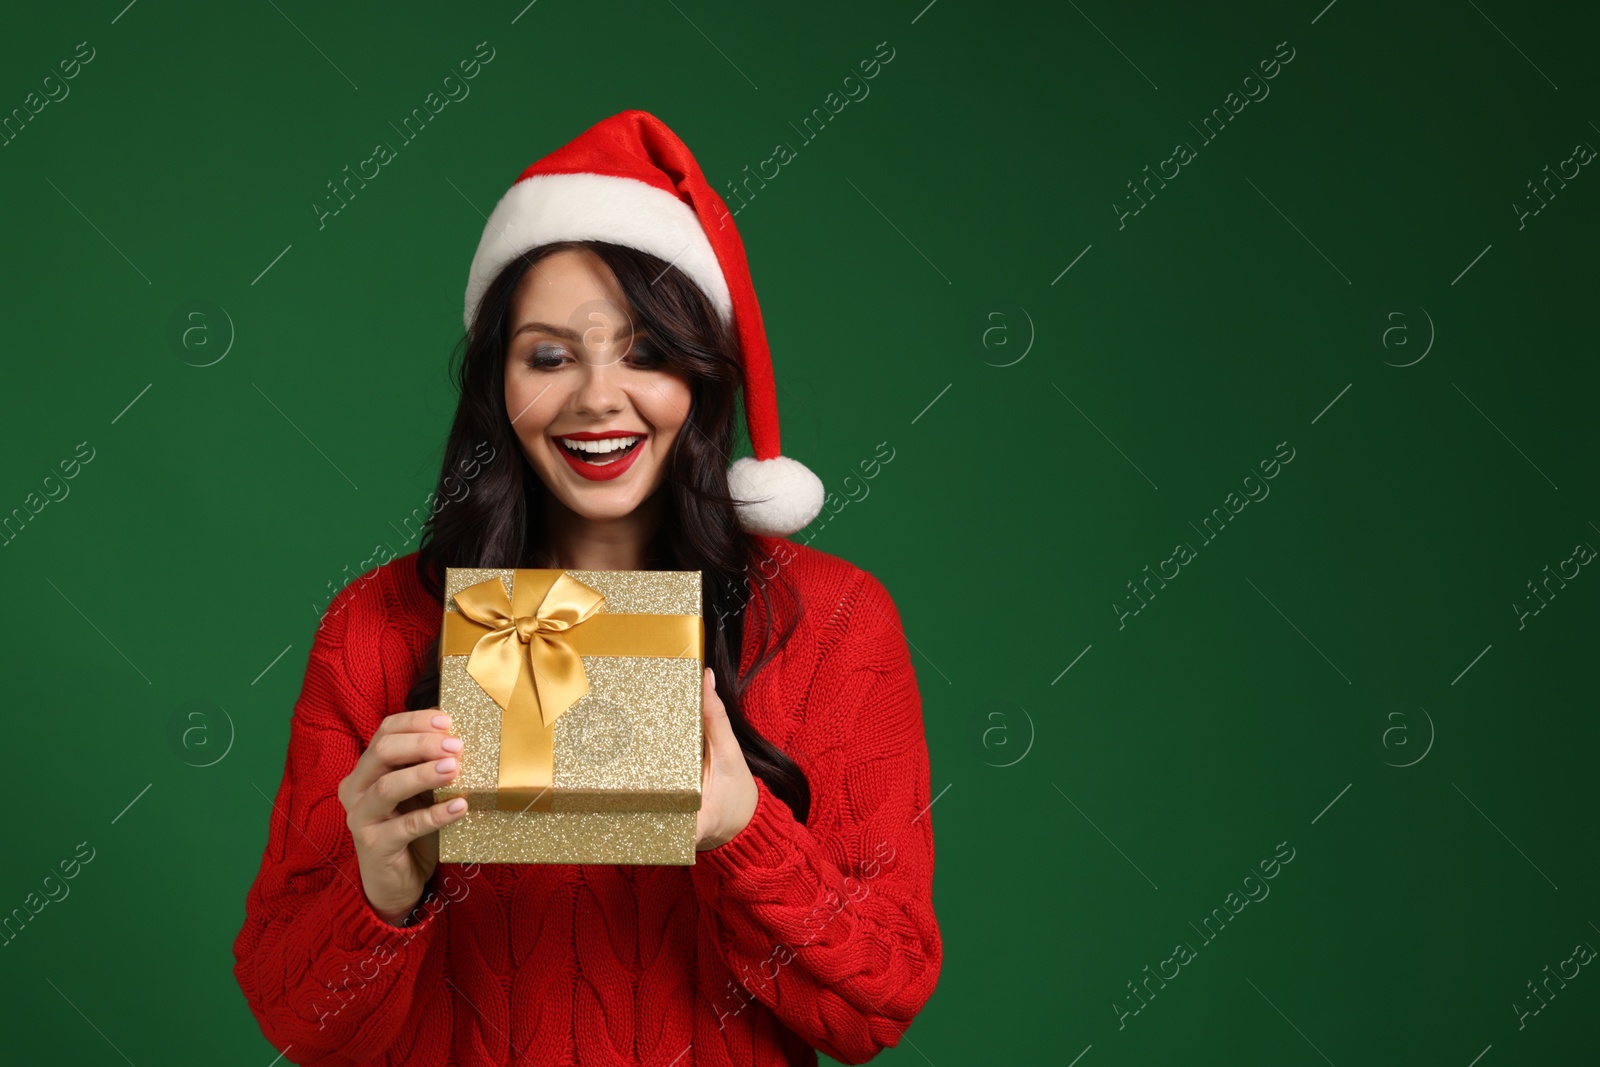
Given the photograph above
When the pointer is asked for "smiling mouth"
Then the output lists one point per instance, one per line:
(600, 453)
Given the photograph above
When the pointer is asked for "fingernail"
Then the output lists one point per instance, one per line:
(451, 744)
(459, 804)
(445, 766)
(442, 721)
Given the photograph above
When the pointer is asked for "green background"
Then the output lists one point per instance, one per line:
(1103, 785)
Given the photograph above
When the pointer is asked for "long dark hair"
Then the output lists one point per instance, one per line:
(499, 522)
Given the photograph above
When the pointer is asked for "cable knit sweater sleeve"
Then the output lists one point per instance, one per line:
(329, 982)
(831, 923)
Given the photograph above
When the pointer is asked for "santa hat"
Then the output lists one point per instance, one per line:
(630, 181)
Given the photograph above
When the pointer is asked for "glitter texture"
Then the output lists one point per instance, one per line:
(627, 754)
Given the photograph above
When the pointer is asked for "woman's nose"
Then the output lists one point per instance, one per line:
(599, 393)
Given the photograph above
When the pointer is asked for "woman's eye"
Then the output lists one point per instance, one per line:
(550, 356)
(645, 355)
(544, 356)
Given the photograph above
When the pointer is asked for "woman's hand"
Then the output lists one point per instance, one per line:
(727, 789)
(392, 820)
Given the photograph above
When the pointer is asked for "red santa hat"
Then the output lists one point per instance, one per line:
(630, 181)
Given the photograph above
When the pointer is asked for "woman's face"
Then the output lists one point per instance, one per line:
(596, 409)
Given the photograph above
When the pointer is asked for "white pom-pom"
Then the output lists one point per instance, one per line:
(776, 497)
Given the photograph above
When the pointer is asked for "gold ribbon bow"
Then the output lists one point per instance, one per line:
(526, 653)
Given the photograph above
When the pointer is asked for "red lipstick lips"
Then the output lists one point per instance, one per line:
(596, 472)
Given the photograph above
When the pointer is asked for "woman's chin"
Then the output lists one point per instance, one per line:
(601, 503)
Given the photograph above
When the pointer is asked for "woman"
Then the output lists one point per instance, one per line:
(611, 324)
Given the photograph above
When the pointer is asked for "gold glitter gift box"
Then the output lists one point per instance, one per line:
(576, 695)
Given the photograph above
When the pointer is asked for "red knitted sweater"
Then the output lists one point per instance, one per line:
(788, 938)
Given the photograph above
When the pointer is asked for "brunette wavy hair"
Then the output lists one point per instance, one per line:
(500, 522)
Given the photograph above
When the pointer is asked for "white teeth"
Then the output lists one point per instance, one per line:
(609, 444)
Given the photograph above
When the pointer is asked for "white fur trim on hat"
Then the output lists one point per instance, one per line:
(596, 207)
(777, 496)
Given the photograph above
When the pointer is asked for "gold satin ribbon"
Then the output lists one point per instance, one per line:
(526, 654)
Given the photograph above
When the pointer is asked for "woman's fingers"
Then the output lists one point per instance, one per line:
(714, 717)
(381, 799)
(410, 753)
(420, 721)
(393, 835)
(400, 741)
(388, 803)
(728, 792)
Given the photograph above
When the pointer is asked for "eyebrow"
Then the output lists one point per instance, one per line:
(570, 335)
